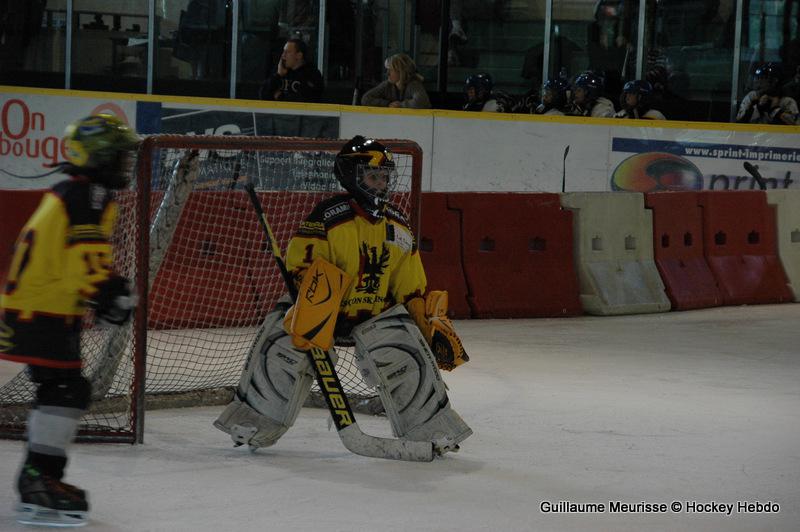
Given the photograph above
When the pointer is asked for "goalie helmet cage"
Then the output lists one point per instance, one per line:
(190, 238)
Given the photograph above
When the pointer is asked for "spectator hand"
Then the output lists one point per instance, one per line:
(395, 104)
(282, 70)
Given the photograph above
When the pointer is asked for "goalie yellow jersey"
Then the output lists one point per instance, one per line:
(380, 255)
(61, 254)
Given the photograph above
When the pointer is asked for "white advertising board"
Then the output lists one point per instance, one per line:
(31, 129)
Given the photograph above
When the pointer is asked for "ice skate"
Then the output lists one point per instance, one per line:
(46, 501)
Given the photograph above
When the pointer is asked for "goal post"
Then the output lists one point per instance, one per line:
(190, 239)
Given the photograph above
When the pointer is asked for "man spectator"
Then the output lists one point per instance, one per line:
(295, 79)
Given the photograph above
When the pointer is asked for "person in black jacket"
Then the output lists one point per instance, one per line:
(296, 79)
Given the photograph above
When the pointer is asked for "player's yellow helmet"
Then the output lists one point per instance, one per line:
(97, 144)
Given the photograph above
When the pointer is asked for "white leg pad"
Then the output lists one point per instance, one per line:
(273, 387)
(394, 357)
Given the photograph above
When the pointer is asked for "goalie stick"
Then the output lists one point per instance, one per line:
(184, 171)
(349, 432)
(753, 171)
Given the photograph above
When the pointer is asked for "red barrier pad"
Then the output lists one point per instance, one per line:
(740, 242)
(678, 247)
(518, 255)
(16, 206)
(440, 249)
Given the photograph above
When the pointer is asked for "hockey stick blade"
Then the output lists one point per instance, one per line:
(753, 171)
(353, 438)
(350, 433)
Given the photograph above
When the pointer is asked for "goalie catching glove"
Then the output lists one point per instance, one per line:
(430, 315)
(113, 302)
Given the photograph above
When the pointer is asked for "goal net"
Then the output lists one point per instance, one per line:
(189, 237)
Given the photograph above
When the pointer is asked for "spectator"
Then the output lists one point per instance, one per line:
(764, 104)
(587, 99)
(296, 79)
(555, 94)
(662, 98)
(481, 96)
(478, 93)
(403, 88)
(636, 101)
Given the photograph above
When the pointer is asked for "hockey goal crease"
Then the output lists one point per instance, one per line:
(189, 238)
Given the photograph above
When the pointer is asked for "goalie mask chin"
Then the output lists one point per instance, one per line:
(365, 168)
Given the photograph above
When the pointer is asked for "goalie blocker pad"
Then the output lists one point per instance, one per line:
(394, 357)
(274, 385)
(312, 319)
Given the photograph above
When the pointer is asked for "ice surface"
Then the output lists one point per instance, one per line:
(685, 406)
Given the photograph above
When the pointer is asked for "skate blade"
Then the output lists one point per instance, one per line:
(31, 514)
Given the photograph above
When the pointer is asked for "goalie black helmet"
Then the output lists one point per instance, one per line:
(97, 146)
(366, 169)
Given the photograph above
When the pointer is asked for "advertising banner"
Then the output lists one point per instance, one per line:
(180, 120)
(306, 171)
(680, 159)
(31, 131)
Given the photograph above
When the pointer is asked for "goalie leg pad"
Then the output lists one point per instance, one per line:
(393, 356)
(273, 387)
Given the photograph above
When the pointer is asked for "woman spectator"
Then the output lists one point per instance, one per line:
(403, 88)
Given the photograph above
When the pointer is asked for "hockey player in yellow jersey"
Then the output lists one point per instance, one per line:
(366, 237)
(62, 264)
(386, 311)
